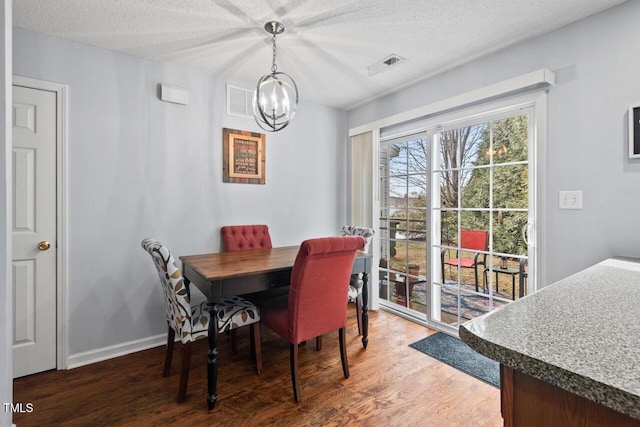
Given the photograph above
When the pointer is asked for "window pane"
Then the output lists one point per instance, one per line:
(417, 158)
(417, 224)
(384, 162)
(397, 191)
(507, 232)
(474, 220)
(416, 200)
(473, 141)
(449, 303)
(448, 151)
(449, 228)
(510, 139)
(475, 191)
(400, 290)
(399, 224)
(510, 186)
(385, 253)
(448, 181)
(398, 262)
(417, 189)
(417, 261)
(384, 216)
(397, 157)
(385, 285)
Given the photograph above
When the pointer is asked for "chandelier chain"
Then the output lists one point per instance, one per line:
(274, 67)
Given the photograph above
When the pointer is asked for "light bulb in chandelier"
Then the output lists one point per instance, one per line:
(276, 96)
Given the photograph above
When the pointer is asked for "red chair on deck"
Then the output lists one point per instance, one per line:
(473, 241)
(317, 294)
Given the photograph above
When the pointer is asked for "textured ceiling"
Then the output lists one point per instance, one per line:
(327, 46)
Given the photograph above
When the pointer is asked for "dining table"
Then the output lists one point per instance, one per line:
(225, 274)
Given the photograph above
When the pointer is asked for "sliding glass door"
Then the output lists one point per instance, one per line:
(454, 205)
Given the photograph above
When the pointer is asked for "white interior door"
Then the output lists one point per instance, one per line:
(34, 231)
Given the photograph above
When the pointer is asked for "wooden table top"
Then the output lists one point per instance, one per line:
(226, 265)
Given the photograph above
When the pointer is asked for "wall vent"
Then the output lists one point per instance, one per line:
(239, 101)
(385, 64)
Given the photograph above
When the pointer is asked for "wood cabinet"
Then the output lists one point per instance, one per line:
(527, 401)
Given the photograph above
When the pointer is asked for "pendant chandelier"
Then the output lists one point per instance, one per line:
(276, 96)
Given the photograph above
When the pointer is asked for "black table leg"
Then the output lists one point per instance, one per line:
(365, 309)
(212, 358)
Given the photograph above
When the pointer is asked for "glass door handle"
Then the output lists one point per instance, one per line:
(526, 231)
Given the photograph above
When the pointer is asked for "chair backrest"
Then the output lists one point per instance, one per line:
(477, 240)
(366, 233)
(245, 237)
(177, 304)
(319, 284)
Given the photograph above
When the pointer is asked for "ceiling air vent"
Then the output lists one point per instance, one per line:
(385, 64)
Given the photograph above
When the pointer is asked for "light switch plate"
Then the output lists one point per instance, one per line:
(570, 199)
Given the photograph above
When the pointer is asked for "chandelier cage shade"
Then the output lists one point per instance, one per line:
(276, 96)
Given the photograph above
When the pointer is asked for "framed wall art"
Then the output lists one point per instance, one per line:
(243, 156)
(634, 131)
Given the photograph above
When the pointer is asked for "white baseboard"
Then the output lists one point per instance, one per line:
(93, 356)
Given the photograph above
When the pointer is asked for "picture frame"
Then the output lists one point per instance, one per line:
(634, 132)
(243, 156)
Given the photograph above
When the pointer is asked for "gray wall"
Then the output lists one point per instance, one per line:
(139, 167)
(596, 63)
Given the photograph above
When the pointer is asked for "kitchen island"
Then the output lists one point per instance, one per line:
(569, 353)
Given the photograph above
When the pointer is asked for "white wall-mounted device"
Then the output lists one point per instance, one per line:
(174, 94)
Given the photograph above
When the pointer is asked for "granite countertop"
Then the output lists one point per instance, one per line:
(581, 334)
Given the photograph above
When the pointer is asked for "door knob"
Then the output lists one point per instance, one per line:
(44, 245)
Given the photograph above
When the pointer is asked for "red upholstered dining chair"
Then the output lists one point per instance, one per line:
(317, 294)
(472, 241)
(245, 237)
(237, 238)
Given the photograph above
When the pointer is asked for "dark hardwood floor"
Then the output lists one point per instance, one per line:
(391, 384)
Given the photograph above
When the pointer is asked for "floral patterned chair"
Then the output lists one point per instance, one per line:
(191, 323)
(355, 283)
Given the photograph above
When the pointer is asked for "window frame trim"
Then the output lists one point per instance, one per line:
(537, 80)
